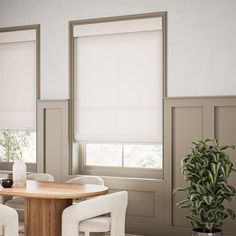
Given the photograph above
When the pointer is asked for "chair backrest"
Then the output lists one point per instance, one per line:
(87, 180)
(115, 203)
(8, 221)
(41, 177)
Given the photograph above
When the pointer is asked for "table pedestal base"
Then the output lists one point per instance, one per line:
(43, 216)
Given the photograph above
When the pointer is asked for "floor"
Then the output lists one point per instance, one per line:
(22, 234)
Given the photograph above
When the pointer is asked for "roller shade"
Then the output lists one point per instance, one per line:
(118, 81)
(17, 79)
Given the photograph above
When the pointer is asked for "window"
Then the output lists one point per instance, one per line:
(18, 94)
(124, 155)
(117, 90)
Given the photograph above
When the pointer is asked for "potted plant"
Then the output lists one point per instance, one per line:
(206, 170)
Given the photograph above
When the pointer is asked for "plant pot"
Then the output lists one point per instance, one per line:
(198, 233)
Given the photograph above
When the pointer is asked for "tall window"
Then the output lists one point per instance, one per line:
(117, 95)
(18, 82)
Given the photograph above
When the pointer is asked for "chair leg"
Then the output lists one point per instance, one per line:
(86, 233)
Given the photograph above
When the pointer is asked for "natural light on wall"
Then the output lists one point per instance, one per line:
(17, 95)
(118, 84)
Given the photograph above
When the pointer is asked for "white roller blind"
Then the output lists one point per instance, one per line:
(118, 84)
(17, 80)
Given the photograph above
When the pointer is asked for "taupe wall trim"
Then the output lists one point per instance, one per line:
(151, 209)
(52, 138)
(188, 119)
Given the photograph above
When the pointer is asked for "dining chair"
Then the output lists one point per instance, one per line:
(86, 180)
(18, 202)
(86, 216)
(8, 221)
(4, 198)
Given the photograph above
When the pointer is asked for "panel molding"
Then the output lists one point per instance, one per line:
(209, 106)
(57, 126)
(204, 111)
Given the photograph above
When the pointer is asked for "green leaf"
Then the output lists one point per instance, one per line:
(183, 204)
(201, 189)
(207, 199)
(211, 177)
(196, 224)
(231, 213)
(209, 226)
(224, 147)
(206, 170)
(181, 188)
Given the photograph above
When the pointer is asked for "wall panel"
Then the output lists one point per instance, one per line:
(187, 125)
(151, 209)
(225, 131)
(52, 138)
(191, 119)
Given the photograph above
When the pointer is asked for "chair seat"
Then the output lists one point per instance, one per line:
(8, 221)
(96, 224)
(16, 203)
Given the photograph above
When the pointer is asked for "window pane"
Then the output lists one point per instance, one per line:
(16, 145)
(143, 156)
(104, 155)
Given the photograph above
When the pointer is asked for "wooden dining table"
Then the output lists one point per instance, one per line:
(45, 202)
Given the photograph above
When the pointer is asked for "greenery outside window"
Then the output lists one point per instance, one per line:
(127, 160)
(17, 145)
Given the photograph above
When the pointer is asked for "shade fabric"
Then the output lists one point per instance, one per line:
(17, 80)
(118, 84)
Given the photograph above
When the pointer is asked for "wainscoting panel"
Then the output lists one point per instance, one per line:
(146, 202)
(151, 209)
(190, 119)
(52, 138)
(225, 131)
(187, 125)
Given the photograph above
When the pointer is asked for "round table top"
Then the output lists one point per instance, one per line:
(53, 190)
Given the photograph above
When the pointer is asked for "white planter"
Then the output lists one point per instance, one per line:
(195, 233)
(19, 173)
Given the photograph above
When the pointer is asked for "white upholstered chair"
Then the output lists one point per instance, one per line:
(86, 180)
(8, 221)
(86, 216)
(18, 202)
(41, 177)
(4, 198)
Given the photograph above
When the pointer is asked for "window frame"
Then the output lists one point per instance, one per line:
(31, 167)
(137, 172)
(76, 153)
